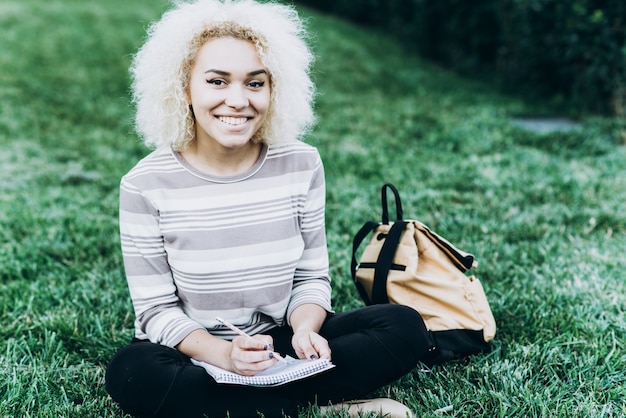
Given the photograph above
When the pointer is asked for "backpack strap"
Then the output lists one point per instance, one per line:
(388, 250)
(385, 259)
(396, 194)
(371, 225)
(356, 243)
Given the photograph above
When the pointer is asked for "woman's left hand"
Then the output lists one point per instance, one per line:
(310, 345)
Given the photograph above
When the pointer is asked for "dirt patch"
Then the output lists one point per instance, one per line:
(546, 125)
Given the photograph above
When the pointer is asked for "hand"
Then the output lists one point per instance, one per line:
(251, 355)
(310, 345)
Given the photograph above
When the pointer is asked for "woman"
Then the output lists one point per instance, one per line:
(226, 219)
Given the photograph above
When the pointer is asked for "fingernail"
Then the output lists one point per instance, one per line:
(314, 357)
(271, 355)
(265, 347)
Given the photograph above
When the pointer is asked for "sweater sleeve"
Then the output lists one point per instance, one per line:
(311, 280)
(158, 313)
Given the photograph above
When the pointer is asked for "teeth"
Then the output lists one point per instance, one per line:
(233, 121)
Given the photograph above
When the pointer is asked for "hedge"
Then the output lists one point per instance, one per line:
(570, 51)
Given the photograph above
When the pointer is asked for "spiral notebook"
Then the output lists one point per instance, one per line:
(279, 374)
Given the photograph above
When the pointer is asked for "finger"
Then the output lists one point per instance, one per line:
(247, 350)
(267, 342)
(258, 342)
(305, 347)
(316, 347)
(320, 344)
(299, 343)
(250, 368)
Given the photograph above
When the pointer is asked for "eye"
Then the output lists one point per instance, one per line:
(216, 82)
(256, 84)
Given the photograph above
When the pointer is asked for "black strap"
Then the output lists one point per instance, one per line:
(387, 253)
(396, 194)
(383, 264)
(356, 243)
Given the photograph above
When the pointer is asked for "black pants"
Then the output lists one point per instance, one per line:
(371, 347)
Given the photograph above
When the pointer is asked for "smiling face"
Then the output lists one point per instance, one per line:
(229, 91)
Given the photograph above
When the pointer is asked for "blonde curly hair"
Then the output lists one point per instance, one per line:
(161, 68)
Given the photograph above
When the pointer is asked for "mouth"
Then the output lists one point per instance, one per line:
(233, 121)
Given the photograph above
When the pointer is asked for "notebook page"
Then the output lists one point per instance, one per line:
(278, 374)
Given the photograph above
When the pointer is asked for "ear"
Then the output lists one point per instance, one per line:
(189, 104)
(188, 96)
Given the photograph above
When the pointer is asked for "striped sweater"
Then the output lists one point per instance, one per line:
(249, 248)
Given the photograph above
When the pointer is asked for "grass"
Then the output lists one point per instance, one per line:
(542, 213)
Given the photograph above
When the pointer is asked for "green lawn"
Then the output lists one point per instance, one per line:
(542, 213)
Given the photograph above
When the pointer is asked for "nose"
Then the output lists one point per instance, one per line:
(236, 97)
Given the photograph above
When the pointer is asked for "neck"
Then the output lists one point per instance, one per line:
(222, 162)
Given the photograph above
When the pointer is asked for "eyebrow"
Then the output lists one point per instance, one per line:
(226, 73)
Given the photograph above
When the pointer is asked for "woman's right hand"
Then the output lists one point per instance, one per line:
(251, 355)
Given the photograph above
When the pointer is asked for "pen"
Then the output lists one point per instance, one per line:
(243, 334)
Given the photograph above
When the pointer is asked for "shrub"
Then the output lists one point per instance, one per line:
(573, 52)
